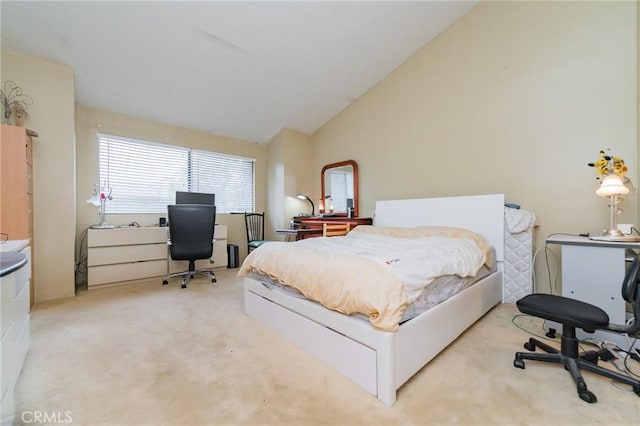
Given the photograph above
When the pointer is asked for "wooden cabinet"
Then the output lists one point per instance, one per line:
(16, 186)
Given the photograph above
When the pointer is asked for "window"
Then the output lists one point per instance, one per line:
(144, 176)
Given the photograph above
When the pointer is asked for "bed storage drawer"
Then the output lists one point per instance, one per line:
(333, 349)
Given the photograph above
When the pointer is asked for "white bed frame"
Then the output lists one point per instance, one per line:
(381, 361)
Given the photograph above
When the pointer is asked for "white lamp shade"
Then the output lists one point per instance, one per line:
(612, 184)
(95, 200)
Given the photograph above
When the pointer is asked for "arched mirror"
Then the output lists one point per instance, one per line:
(340, 188)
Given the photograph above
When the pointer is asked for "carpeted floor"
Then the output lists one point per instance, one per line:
(147, 354)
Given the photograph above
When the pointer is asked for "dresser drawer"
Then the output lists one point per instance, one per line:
(8, 309)
(126, 236)
(8, 359)
(126, 272)
(23, 339)
(126, 254)
(220, 253)
(21, 304)
(220, 233)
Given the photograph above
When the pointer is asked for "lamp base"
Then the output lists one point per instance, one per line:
(612, 233)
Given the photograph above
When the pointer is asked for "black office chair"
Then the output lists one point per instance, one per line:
(254, 224)
(191, 238)
(574, 314)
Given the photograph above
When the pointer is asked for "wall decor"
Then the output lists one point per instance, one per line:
(14, 103)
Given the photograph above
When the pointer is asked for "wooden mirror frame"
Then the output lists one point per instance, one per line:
(353, 164)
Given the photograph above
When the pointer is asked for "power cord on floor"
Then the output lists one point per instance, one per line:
(601, 354)
(633, 354)
(513, 321)
(80, 266)
(590, 341)
(624, 356)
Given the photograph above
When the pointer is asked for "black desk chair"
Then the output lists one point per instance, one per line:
(574, 314)
(254, 224)
(191, 238)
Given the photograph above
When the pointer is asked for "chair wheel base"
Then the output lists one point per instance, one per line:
(518, 363)
(213, 280)
(165, 282)
(587, 396)
(530, 346)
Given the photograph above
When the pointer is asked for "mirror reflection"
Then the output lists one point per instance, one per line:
(340, 188)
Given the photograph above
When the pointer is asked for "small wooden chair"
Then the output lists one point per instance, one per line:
(254, 225)
(335, 229)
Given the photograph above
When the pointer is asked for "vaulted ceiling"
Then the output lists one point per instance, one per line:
(236, 68)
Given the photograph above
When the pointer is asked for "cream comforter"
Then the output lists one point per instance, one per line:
(375, 271)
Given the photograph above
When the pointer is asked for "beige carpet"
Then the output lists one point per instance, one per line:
(147, 354)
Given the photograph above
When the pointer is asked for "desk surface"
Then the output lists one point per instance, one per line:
(566, 239)
(299, 233)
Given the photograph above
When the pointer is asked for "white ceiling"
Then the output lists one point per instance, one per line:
(242, 69)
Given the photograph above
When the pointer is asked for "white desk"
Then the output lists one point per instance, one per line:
(593, 271)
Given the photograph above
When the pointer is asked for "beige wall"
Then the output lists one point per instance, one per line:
(514, 98)
(298, 175)
(90, 121)
(275, 186)
(288, 155)
(52, 116)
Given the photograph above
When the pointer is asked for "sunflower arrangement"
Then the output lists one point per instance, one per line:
(608, 164)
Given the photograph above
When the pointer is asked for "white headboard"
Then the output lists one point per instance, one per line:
(483, 214)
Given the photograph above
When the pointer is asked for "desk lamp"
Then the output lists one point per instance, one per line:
(99, 199)
(305, 197)
(613, 187)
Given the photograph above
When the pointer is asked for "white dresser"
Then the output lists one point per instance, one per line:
(15, 328)
(120, 255)
(125, 254)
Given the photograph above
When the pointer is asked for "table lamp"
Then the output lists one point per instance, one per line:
(99, 199)
(613, 187)
(305, 197)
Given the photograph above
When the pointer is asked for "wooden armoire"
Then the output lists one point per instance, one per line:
(16, 187)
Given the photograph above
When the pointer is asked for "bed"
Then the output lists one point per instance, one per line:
(382, 361)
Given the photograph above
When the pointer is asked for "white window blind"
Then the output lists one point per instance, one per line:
(232, 179)
(144, 176)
